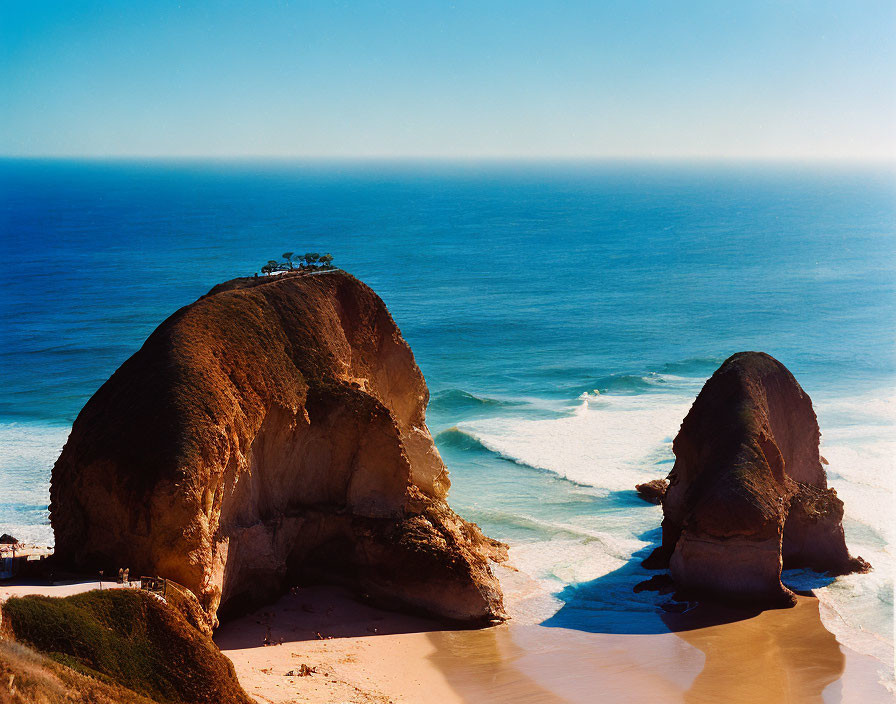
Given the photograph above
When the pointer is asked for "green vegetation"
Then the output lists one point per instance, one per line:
(311, 261)
(127, 638)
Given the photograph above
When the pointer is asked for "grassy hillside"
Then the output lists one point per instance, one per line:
(27, 677)
(123, 638)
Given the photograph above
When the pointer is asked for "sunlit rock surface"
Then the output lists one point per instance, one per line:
(271, 432)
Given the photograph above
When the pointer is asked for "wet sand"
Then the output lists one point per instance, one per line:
(775, 656)
(784, 655)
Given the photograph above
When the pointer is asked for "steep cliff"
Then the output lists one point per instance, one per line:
(748, 493)
(272, 431)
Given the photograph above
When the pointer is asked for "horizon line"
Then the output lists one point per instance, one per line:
(381, 158)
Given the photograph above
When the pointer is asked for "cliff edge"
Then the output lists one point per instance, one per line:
(271, 432)
(748, 493)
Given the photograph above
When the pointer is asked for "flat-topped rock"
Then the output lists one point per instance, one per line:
(272, 432)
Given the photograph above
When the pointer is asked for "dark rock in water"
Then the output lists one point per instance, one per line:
(656, 560)
(7, 539)
(748, 493)
(652, 491)
(662, 583)
(272, 432)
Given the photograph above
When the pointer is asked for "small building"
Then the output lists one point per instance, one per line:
(17, 560)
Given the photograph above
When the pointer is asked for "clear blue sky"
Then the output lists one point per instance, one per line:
(677, 78)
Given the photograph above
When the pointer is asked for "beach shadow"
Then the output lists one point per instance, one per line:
(803, 580)
(610, 604)
(57, 579)
(313, 613)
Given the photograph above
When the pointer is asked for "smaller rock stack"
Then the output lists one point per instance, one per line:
(748, 493)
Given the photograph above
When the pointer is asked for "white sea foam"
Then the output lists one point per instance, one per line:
(612, 441)
(554, 564)
(563, 561)
(27, 454)
(607, 441)
(859, 442)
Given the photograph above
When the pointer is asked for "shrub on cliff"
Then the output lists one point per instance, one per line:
(312, 262)
(129, 639)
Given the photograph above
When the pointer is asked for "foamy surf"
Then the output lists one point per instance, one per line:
(859, 442)
(607, 441)
(610, 442)
(27, 454)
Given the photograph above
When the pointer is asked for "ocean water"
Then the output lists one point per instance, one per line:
(565, 317)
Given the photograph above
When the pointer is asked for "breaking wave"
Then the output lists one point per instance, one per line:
(457, 400)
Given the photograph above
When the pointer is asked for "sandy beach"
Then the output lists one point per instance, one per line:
(361, 654)
(357, 653)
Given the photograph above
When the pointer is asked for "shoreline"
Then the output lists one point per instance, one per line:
(366, 655)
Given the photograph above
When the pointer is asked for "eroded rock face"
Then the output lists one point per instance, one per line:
(272, 430)
(653, 491)
(748, 493)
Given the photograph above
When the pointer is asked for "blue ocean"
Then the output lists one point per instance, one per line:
(564, 315)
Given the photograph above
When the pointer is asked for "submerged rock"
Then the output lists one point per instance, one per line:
(271, 432)
(748, 494)
(652, 491)
(662, 583)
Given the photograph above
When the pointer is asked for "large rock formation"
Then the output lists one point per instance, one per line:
(272, 431)
(748, 493)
